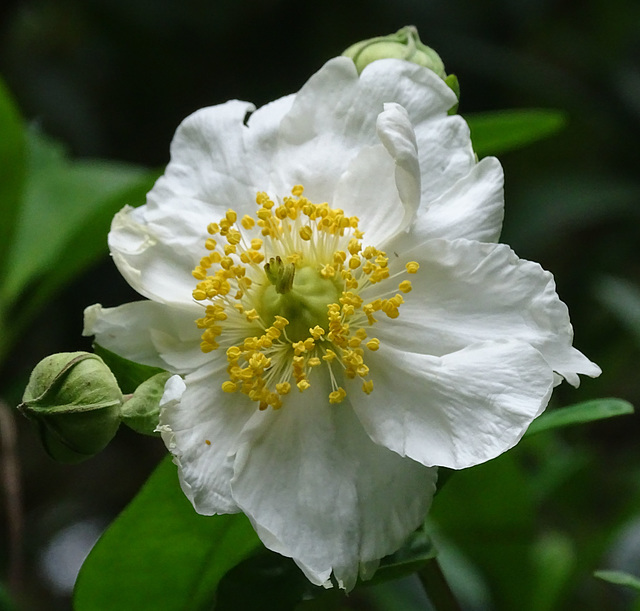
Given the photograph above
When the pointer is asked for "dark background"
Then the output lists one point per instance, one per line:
(113, 78)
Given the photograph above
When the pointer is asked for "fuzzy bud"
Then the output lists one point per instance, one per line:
(75, 401)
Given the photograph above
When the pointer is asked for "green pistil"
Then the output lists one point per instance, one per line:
(300, 295)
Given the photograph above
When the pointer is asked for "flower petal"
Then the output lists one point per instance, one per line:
(149, 333)
(216, 162)
(202, 431)
(382, 184)
(458, 410)
(446, 154)
(317, 489)
(334, 116)
(467, 291)
(471, 208)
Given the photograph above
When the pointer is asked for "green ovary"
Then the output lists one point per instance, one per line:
(304, 305)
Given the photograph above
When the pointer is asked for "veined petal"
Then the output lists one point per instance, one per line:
(446, 154)
(467, 292)
(149, 333)
(382, 184)
(334, 115)
(202, 431)
(317, 489)
(458, 410)
(472, 207)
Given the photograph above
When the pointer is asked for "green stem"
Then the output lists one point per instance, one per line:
(436, 587)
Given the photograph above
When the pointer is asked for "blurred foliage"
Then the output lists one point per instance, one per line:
(112, 80)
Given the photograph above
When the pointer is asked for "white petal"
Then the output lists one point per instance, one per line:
(466, 292)
(458, 410)
(472, 207)
(317, 489)
(216, 163)
(382, 184)
(149, 333)
(206, 414)
(334, 116)
(446, 154)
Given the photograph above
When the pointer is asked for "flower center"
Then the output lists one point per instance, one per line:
(306, 307)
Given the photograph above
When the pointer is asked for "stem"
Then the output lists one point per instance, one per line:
(436, 587)
(11, 484)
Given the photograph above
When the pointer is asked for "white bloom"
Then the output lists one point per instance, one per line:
(356, 327)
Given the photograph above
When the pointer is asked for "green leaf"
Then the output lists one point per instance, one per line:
(589, 411)
(12, 171)
(497, 132)
(160, 554)
(62, 225)
(128, 373)
(619, 578)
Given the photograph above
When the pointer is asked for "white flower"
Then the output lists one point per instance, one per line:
(357, 322)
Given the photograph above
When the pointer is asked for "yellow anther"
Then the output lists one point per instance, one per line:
(329, 356)
(231, 216)
(210, 244)
(229, 386)
(252, 315)
(297, 190)
(337, 396)
(412, 267)
(314, 361)
(328, 271)
(248, 222)
(213, 228)
(306, 232)
(373, 344)
(354, 262)
(367, 386)
(283, 388)
(316, 332)
(256, 243)
(354, 246)
(405, 286)
(303, 385)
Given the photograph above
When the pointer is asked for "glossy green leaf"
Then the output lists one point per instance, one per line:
(497, 132)
(589, 411)
(619, 578)
(128, 373)
(160, 554)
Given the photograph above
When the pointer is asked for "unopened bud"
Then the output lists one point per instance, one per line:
(404, 44)
(74, 399)
(141, 411)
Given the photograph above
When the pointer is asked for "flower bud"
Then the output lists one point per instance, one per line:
(141, 411)
(74, 399)
(404, 44)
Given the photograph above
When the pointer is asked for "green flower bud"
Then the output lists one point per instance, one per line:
(74, 399)
(141, 411)
(404, 44)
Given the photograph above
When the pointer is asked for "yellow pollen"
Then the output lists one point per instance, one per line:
(289, 289)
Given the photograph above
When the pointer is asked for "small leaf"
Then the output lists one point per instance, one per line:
(619, 578)
(141, 411)
(160, 554)
(501, 131)
(128, 373)
(589, 411)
